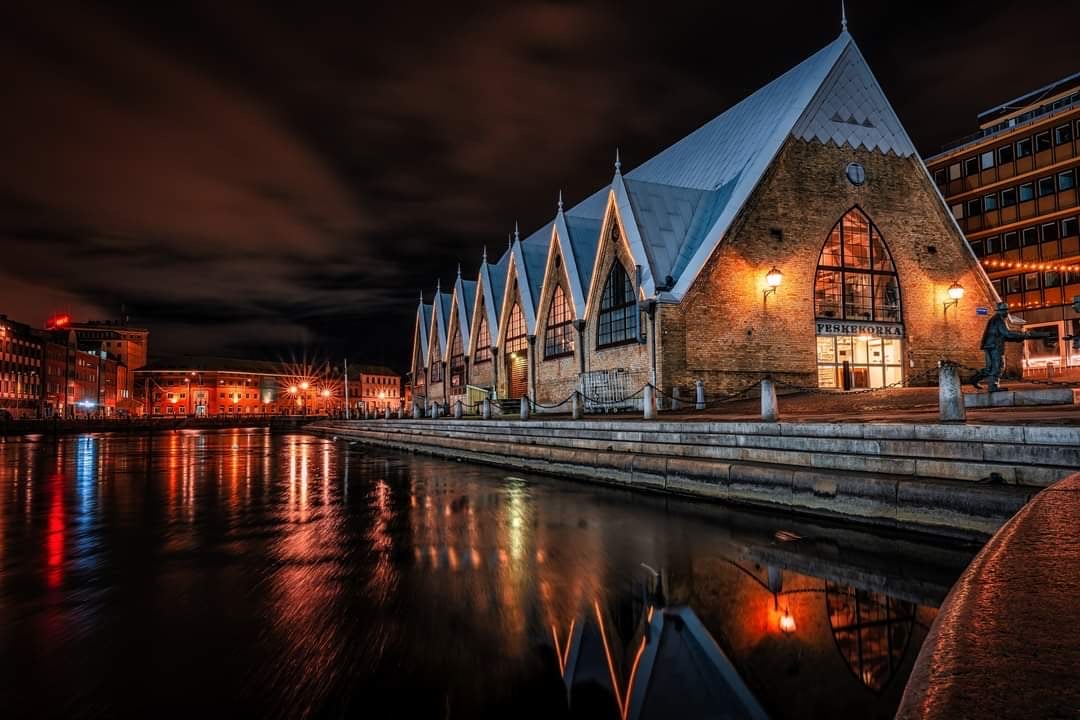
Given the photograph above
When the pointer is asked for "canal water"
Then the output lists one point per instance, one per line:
(246, 574)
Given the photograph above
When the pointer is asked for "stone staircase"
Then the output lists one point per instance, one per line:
(958, 479)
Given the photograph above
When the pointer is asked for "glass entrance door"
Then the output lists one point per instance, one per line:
(853, 362)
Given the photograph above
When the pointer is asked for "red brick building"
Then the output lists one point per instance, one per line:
(202, 387)
(375, 388)
(21, 352)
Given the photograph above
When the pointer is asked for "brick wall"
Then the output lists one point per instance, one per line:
(726, 334)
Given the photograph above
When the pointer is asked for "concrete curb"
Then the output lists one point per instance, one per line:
(1004, 643)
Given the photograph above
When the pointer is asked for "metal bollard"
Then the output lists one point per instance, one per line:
(400, 413)
(485, 409)
(676, 399)
(525, 408)
(576, 406)
(770, 411)
(699, 395)
(648, 402)
(458, 412)
(386, 413)
(417, 413)
(950, 395)
(435, 410)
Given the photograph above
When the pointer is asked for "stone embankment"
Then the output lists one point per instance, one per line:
(1004, 644)
(961, 481)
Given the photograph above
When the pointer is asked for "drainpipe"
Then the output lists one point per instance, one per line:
(532, 367)
(650, 338)
(495, 362)
(579, 348)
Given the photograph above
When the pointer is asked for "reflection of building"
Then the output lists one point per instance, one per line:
(1013, 188)
(797, 234)
(20, 368)
(872, 631)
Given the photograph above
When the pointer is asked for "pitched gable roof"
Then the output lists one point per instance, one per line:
(492, 281)
(440, 319)
(464, 294)
(578, 233)
(529, 256)
(423, 327)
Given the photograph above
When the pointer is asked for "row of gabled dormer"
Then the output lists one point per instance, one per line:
(644, 239)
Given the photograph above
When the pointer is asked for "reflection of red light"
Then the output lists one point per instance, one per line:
(54, 543)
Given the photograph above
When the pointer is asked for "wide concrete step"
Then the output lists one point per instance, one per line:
(947, 452)
(1019, 398)
(960, 509)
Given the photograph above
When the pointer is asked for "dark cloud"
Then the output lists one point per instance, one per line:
(247, 180)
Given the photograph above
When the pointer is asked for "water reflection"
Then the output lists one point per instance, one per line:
(246, 573)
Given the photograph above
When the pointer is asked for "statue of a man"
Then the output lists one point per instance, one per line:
(996, 334)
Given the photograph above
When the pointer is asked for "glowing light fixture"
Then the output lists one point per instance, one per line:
(292, 389)
(304, 385)
(956, 291)
(326, 393)
(773, 278)
(787, 622)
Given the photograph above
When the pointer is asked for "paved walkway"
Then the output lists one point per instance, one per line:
(911, 405)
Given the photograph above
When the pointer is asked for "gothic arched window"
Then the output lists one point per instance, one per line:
(482, 353)
(457, 361)
(856, 278)
(559, 331)
(618, 321)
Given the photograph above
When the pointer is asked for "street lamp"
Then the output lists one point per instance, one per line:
(773, 279)
(956, 291)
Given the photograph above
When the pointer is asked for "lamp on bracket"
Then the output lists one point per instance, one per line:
(956, 291)
(773, 278)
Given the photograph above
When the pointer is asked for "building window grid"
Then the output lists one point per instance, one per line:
(457, 361)
(856, 278)
(515, 331)
(482, 353)
(559, 330)
(618, 321)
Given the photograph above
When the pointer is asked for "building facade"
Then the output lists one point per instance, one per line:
(374, 388)
(21, 369)
(797, 235)
(213, 387)
(128, 345)
(1012, 186)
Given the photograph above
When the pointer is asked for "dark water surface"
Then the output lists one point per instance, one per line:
(243, 574)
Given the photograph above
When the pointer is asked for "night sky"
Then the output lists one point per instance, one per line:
(261, 183)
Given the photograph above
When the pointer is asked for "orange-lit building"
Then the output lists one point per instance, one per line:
(127, 344)
(205, 387)
(375, 388)
(1012, 186)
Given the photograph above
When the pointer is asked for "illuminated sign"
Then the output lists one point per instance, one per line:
(860, 328)
(57, 321)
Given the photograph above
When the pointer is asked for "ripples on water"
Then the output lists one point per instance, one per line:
(241, 573)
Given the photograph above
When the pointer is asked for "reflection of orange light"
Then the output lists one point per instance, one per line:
(607, 654)
(563, 653)
(787, 622)
(633, 674)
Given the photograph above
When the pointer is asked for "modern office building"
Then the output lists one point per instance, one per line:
(1012, 187)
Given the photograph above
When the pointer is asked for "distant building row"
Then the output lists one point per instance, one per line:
(69, 369)
(797, 234)
(208, 387)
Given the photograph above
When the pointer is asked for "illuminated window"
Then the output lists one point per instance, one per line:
(482, 353)
(872, 631)
(515, 331)
(457, 361)
(618, 321)
(436, 369)
(856, 278)
(559, 332)
(1023, 148)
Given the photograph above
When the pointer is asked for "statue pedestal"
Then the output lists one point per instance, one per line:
(1018, 398)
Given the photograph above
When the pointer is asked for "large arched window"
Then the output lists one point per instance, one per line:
(618, 321)
(559, 332)
(482, 353)
(515, 331)
(857, 307)
(419, 374)
(856, 278)
(457, 361)
(436, 364)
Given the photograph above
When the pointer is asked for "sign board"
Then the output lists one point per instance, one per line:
(855, 327)
(981, 310)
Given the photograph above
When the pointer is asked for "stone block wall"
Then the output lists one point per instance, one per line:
(725, 332)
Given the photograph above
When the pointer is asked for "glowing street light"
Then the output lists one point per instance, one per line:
(773, 279)
(956, 291)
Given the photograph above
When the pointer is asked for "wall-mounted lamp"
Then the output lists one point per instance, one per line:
(773, 279)
(956, 291)
(787, 623)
